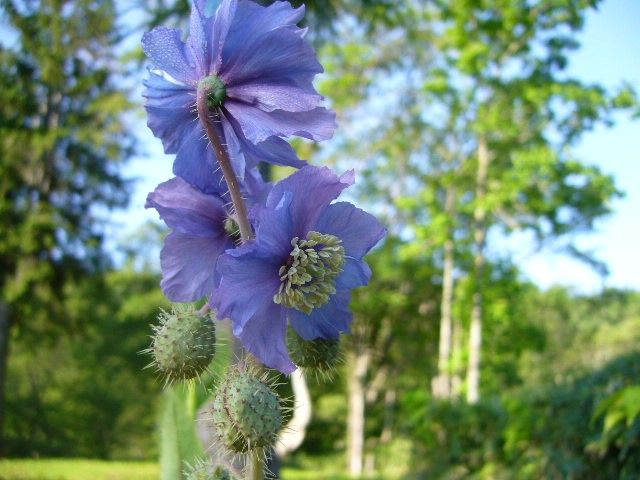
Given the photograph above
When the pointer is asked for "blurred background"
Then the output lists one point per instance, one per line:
(499, 338)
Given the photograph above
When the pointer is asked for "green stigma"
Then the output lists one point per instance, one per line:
(215, 89)
(308, 278)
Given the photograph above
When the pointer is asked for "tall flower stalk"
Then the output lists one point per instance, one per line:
(267, 258)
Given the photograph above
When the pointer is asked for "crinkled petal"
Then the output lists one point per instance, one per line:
(199, 42)
(197, 164)
(325, 322)
(258, 125)
(167, 51)
(277, 57)
(253, 21)
(170, 111)
(264, 336)
(312, 189)
(189, 265)
(222, 24)
(188, 210)
(358, 230)
(249, 282)
(269, 97)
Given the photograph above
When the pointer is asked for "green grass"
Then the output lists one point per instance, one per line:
(77, 470)
(74, 469)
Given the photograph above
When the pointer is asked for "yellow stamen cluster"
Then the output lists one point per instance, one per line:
(309, 276)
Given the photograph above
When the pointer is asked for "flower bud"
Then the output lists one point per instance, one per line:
(319, 356)
(184, 343)
(246, 412)
(203, 470)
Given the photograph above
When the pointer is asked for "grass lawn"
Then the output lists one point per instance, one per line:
(77, 470)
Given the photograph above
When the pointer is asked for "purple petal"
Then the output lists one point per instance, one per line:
(199, 41)
(327, 321)
(273, 97)
(249, 282)
(197, 164)
(358, 230)
(264, 336)
(355, 273)
(167, 51)
(276, 57)
(257, 125)
(188, 210)
(273, 150)
(234, 148)
(189, 265)
(257, 189)
(312, 189)
(253, 21)
(221, 26)
(276, 229)
(169, 107)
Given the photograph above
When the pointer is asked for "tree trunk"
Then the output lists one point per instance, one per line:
(479, 238)
(355, 424)
(4, 356)
(441, 384)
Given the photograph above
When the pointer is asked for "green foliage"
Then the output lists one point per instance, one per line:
(544, 433)
(86, 394)
(465, 437)
(63, 139)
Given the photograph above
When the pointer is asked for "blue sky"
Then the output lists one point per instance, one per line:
(609, 55)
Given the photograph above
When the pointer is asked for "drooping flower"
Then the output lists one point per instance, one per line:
(300, 269)
(201, 232)
(257, 70)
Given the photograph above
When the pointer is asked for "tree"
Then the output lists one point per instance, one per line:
(470, 132)
(62, 139)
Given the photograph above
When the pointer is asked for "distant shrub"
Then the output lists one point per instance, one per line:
(554, 433)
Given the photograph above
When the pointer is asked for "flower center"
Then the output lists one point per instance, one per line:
(308, 278)
(215, 89)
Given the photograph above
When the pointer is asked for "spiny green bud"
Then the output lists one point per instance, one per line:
(319, 356)
(203, 470)
(183, 344)
(215, 89)
(246, 412)
(308, 278)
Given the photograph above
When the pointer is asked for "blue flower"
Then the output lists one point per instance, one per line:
(200, 234)
(300, 269)
(258, 70)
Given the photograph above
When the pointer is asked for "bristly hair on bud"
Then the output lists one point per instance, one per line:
(320, 356)
(204, 470)
(183, 344)
(246, 412)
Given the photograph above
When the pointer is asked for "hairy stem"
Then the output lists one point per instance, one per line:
(215, 136)
(256, 466)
